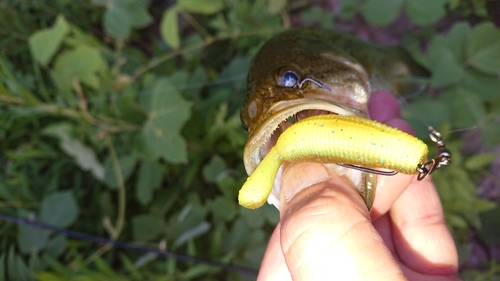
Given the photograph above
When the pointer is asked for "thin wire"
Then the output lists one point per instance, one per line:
(128, 246)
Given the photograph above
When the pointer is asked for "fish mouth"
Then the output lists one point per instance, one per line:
(279, 118)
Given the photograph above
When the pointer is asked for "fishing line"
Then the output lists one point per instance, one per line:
(127, 246)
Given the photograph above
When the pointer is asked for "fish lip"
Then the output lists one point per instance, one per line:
(254, 150)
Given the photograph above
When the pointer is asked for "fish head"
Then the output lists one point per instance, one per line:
(294, 75)
(304, 72)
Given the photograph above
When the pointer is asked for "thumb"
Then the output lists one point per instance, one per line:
(326, 232)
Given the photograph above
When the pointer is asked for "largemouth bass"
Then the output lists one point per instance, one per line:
(306, 72)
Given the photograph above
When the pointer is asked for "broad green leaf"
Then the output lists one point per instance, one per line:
(146, 227)
(117, 22)
(455, 41)
(160, 137)
(427, 111)
(56, 246)
(445, 69)
(83, 63)
(169, 28)
(123, 15)
(468, 109)
(138, 13)
(483, 85)
(201, 6)
(378, 16)
(45, 43)
(84, 156)
(31, 238)
(59, 209)
(215, 170)
(425, 12)
(155, 144)
(149, 179)
(484, 47)
(223, 209)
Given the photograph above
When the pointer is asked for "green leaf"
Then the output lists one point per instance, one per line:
(83, 63)
(378, 16)
(45, 43)
(169, 28)
(198, 230)
(484, 47)
(126, 164)
(191, 223)
(425, 12)
(223, 208)
(84, 156)
(485, 86)
(455, 41)
(479, 161)
(215, 170)
(201, 6)
(160, 136)
(59, 209)
(56, 246)
(436, 113)
(149, 179)
(117, 22)
(31, 239)
(123, 15)
(468, 109)
(445, 69)
(146, 227)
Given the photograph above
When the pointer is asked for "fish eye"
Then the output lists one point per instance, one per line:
(288, 78)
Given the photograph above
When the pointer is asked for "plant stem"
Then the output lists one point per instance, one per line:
(120, 218)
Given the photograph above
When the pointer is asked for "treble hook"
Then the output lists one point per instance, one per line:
(443, 156)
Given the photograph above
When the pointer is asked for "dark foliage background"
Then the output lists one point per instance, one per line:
(119, 118)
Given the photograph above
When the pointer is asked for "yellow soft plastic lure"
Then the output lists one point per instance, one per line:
(348, 140)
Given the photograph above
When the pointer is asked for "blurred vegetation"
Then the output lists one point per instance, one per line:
(120, 118)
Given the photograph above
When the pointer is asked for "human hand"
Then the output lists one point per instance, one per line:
(327, 233)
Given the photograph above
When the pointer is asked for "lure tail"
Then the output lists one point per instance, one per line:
(258, 186)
